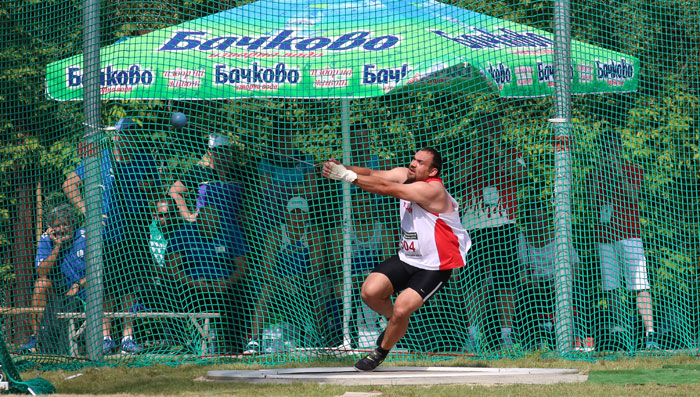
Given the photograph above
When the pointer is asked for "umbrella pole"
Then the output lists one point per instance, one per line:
(347, 225)
(562, 177)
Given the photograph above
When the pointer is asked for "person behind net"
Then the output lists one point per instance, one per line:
(284, 172)
(166, 297)
(62, 244)
(371, 244)
(211, 184)
(490, 176)
(537, 254)
(433, 243)
(129, 182)
(204, 276)
(616, 185)
(214, 165)
(209, 198)
(291, 278)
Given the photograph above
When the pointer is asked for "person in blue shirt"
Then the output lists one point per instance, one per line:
(129, 181)
(60, 265)
(209, 201)
(207, 276)
(208, 196)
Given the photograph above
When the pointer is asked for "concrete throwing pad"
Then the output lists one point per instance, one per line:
(403, 376)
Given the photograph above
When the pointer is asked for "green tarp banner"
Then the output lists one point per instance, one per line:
(336, 49)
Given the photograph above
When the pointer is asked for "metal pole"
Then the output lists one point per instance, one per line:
(563, 76)
(347, 225)
(93, 176)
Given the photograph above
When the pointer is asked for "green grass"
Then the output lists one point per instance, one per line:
(182, 380)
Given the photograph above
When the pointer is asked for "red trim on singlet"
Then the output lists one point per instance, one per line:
(447, 245)
(424, 209)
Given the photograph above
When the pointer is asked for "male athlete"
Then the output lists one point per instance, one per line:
(433, 242)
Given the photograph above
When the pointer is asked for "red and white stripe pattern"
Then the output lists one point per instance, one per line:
(432, 241)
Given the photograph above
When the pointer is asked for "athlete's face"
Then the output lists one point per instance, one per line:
(421, 168)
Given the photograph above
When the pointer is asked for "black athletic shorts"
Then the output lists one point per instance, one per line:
(402, 276)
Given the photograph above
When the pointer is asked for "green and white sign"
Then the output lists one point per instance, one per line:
(339, 49)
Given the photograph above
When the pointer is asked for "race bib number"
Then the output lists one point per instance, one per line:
(409, 246)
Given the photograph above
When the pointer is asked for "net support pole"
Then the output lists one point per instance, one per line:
(563, 76)
(93, 176)
(347, 224)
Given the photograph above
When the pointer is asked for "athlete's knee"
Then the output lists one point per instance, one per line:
(372, 291)
(402, 312)
(368, 293)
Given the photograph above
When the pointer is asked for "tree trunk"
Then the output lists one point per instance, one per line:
(24, 248)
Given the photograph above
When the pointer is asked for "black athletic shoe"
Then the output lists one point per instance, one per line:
(370, 362)
(380, 339)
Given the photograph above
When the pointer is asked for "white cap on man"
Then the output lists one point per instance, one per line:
(218, 140)
(298, 203)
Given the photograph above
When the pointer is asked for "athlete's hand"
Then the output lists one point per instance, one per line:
(336, 171)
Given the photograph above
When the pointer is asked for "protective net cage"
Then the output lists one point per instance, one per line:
(161, 196)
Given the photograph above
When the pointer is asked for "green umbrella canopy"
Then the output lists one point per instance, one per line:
(339, 49)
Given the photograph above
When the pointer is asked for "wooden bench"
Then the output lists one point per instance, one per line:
(203, 328)
(6, 311)
(76, 323)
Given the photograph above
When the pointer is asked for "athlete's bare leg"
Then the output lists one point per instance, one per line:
(376, 293)
(405, 305)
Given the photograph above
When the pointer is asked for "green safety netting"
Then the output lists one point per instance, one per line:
(177, 207)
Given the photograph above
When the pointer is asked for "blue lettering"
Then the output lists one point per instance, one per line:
(285, 40)
(501, 74)
(544, 72)
(383, 76)
(615, 70)
(219, 77)
(368, 77)
(131, 76)
(348, 41)
(314, 43)
(255, 74)
(75, 77)
(381, 43)
(218, 43)
(252, 45)
(279, 39)
(181, 37)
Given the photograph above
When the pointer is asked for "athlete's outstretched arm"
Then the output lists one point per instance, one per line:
(432, 196)
(427, 194)
(398, 174)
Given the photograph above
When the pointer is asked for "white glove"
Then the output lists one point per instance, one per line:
(340, 173)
